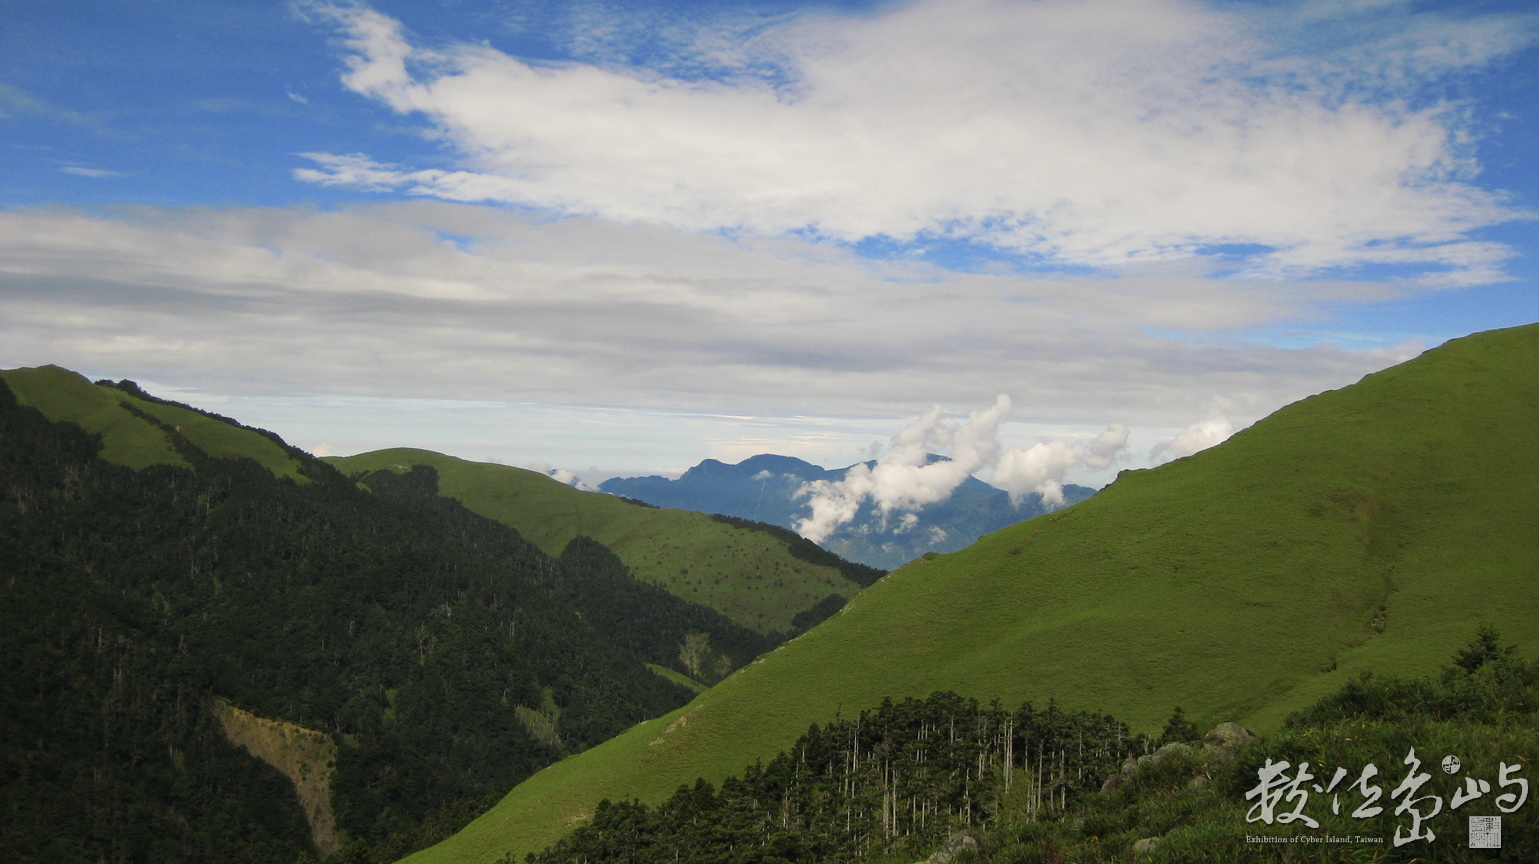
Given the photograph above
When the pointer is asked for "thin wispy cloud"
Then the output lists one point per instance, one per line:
(79, 171)
(15, 102)
(1086, 133)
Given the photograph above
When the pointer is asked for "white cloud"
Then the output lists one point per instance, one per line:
(429, 300)
(1039, 468)
(1099, 132)
(562, 476)
(88, 172)
(1108, 447)
(1201, 435)
(904, 478)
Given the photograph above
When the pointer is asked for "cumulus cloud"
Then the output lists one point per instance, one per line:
(1091, 132)
(1107, 447)
(1201, 435)
(1039, 468)
(562, 476)
(906, 479)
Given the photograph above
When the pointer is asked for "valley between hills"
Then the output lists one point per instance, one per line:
(485, 662)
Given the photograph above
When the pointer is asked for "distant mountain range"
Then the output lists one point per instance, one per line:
(765, 488)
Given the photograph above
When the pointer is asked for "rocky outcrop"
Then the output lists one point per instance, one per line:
(959, 842)
(1218, 747)
(1226, 739)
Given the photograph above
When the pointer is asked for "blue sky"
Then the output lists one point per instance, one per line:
(622, 237)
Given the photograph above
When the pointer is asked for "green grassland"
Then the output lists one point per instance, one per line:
(131, 440)
(1361, 530)
(67, 396)
(749, 576)
(677, 677)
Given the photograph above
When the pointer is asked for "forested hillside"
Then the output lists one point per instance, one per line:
(444, 656)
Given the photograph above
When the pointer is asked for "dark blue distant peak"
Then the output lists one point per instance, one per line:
(714, 470)
(929, 459)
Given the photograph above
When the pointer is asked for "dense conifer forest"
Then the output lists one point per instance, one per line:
(1030, 786)
(902, 777)
(447, 657)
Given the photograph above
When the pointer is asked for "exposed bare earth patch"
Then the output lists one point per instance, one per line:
(307, 757)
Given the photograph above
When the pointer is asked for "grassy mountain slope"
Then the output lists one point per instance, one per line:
(65, 396)
(1364, 529)
(129, 439)
(747, 575)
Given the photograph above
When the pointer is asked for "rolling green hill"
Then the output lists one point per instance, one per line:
(750, 576)
(1361, 530)
(128, 437)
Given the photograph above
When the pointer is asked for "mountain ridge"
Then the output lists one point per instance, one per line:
(755, 578)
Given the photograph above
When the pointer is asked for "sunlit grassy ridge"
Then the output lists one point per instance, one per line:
(1364, 529)
(63, 395)
(749, 576)
(677, 677)
(131, 440)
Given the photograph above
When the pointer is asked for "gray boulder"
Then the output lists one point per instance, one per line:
(1166, 752)
(1226, 739)
(955, 845)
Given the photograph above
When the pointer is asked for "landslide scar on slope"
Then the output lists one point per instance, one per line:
(307, 757)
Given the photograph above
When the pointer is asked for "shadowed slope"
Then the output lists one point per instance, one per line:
(1364, 529)
(749, 576)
